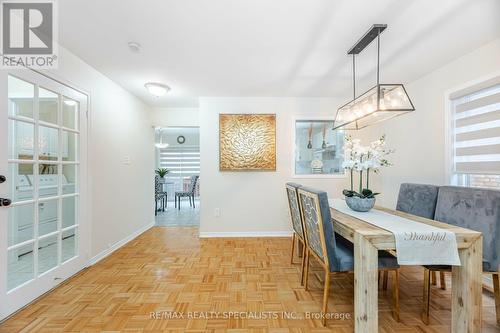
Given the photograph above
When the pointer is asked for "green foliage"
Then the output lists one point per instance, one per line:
(162, 172)
(365, 194)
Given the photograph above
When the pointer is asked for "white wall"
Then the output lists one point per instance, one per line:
(254, 202)
(419, 137)
(172, 117)
(120, 125)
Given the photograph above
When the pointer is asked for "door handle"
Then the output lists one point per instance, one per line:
(2, 179)
(5, 202)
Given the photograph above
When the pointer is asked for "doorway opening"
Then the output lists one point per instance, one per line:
(177, 154)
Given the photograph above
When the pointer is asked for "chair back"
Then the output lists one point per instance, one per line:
(192, 186)
(293, 203)
(158, 185)
(476, 209)
(320, 236)
(418, 199)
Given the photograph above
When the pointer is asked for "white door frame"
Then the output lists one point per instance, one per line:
(20, 296)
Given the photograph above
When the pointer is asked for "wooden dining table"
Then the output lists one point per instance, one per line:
(368, 239)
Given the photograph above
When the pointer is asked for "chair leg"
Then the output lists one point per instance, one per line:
(442, 279)
(433, 278)
(175, 202)
(496, 291)
(325, 296)
(306, 272)
(395, 295)
(156, 207)
(386, 276)
(179, 205)
(293, 248)
(300, 249)
(303, 265)
(426, 296)
(193, 201)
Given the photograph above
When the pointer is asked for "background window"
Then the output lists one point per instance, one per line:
(181, 157)
(476, 138)
(318, 149)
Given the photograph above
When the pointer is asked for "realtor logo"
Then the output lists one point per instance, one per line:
(28, 34)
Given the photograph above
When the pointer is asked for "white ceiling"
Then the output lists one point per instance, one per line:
(269, 47)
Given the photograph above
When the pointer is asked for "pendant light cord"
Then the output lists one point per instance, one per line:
(354, 76)
(378, 57)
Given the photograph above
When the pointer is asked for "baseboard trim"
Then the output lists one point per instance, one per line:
(103, 254)
(245, 234)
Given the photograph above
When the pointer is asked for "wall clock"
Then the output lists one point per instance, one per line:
(181, 139)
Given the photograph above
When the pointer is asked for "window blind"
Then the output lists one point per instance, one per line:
(477, 132)
(181, 161)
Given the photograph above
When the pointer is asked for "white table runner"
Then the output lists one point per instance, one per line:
(416, 243)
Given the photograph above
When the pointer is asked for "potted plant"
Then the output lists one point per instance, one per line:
(363, 160)
(162, 172)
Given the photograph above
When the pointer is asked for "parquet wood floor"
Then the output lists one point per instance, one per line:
(169, 269)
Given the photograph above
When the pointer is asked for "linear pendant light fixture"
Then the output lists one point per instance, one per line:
(161, 144)
(382, 102)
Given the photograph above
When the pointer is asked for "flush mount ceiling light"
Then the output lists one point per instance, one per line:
(157, 89)
(134, 47)
(382, 102)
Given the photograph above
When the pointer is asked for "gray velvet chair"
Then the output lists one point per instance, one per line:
(476, 209)
(419, 200)
(298, 236)
(333, 252)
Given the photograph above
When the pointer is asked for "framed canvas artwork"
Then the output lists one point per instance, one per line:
(247, 142)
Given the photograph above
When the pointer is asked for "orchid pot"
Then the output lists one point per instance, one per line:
(362, 160)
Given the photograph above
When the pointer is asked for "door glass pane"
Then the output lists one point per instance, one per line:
(20, 182)
(21, 221)
(69, 178)
(48, 180)
(47, 103)
(21, 94)
(47, 253)
(19, 266)
(21, 136)
(70, 146)
(69, 244)
(70, 113)
(69, 211)
(48, 216)
(48, 143)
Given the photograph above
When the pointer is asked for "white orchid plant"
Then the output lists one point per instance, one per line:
(364, 159)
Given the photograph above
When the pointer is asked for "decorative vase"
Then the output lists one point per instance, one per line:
(358, 204)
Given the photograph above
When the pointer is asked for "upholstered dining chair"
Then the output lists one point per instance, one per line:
(160, 195)
(190, 193)
(333, 252)
(297, 225)
(419, 200)
(476, 209)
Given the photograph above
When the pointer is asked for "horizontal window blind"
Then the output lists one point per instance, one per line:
(181, 161)
(476, 132)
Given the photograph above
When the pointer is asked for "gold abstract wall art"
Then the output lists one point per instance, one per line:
(247, 142)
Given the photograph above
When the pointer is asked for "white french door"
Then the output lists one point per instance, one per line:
(43, 223)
